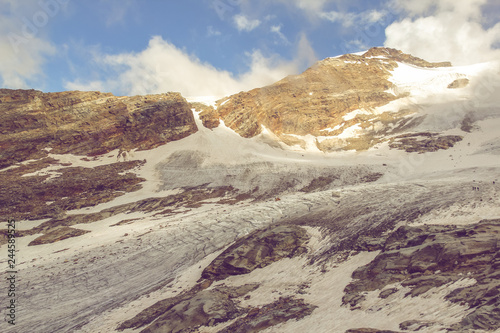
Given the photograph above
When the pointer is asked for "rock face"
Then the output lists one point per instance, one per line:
(87, 123)
(426, 257)
(318, 101)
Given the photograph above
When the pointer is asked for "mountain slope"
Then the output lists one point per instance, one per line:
(353, 101)
(261, 224)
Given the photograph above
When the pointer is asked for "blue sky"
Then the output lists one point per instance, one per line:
(218, 47)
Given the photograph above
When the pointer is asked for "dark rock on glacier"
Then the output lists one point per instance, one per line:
(369, 330)
(194, 308)
(57, 234)
(414, 325)
(259, 249)
(259, 319)
(427, 257)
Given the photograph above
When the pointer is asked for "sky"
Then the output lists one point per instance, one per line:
(221, 47)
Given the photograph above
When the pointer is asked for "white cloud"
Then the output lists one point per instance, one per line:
(346, 19)
(23, 46)
(445, 30)
(374, 16)
(245, 24)
(162, 67)
(349, 19)
(277, 30)
(311, 5)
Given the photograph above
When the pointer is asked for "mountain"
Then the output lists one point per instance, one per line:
(359, 196)
(347, 102)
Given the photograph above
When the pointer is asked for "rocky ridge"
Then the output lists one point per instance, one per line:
(33, 123)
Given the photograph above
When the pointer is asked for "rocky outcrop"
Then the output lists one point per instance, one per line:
(203, 306)
(459, 83)
(28, 194)
(194, 308)
(87, 123)
(257, 250)
(259, 319)
(426, 257)
(318, 101)
(423, 142)
(58, 234)
(368, 330)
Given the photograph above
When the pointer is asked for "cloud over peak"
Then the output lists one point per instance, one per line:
(163, 67)
(445, 30)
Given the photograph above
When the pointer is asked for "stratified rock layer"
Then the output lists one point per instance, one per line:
(87, 123)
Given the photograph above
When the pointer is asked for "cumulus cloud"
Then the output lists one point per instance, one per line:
(445, 30)
(163, 67)
(23, 46)
(245, 24)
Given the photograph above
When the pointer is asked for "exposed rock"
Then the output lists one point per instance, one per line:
(149, 314)
(259, 319)
(87, 123)
(197, 307)
(387, 292)
(426, 257)
(259, 249)
(318, 183)
(467, 123)
(414, 325)
(369, 330)
(200, 306)
(208, 115)
(57, 234)
(459, 83)
(423, 142)
(27, 195)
